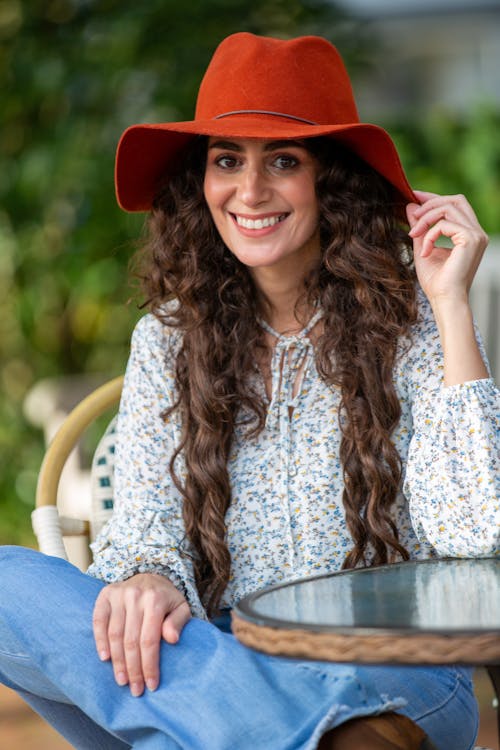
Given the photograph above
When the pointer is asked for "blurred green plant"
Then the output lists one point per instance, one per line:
(74, 74)
(447, 154)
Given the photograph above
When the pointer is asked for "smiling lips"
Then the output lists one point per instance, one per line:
(263, 222)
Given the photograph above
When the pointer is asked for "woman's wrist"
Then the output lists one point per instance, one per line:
(462, 358)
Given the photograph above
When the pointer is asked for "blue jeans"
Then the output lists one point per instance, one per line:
(214, 694)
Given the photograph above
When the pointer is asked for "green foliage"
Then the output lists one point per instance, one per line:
(448, 155)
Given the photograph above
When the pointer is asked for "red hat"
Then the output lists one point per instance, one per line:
(258, 87)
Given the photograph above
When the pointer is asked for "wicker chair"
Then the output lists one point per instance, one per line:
(50, 528)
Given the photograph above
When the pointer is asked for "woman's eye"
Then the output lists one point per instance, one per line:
(226, 162)
(285, 161)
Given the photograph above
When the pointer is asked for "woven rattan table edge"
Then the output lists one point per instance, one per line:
(420, 648)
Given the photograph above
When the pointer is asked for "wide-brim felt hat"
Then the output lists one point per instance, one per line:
(259, 87)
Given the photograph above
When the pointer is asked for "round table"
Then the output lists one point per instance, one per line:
(429, 611)
(437, 611)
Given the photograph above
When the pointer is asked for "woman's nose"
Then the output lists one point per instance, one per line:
(254, 187)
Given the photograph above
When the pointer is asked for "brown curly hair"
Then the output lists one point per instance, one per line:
(365, 286)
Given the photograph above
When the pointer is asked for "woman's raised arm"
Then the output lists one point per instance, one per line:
(446, 275)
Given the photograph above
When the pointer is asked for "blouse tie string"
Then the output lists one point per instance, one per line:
(292, 358)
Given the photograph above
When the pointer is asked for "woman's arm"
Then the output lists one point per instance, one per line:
(452, 467)
(446, 275)
(146, 532)
(140, 552)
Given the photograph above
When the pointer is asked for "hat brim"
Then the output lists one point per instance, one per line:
(146, 153)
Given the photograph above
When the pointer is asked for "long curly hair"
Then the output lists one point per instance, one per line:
(365, 286)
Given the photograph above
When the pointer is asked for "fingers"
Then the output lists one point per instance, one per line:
(150, 639)
(128, 643)
(116, 631)
(174, 623)
(450, 216)
(109, 631)
(129, 620)
(100, 622)
(441, 228)
(451, 208)
(430, 200)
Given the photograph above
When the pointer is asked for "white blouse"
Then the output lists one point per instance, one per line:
(286, 519)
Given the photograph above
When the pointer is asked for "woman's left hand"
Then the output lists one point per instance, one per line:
(445, 273)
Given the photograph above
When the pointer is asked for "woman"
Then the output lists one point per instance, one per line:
(297, 403)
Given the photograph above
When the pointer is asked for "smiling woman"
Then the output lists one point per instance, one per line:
(299, 399)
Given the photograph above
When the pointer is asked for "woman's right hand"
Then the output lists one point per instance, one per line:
(130, 619)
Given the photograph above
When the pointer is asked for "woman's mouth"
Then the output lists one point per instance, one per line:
(262, 222)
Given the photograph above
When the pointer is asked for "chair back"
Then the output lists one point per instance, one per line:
(102, 480)
(48, 526)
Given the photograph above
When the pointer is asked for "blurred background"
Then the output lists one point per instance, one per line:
(75, 73)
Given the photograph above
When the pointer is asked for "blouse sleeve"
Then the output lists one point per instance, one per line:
(452, 472)
(146, 532)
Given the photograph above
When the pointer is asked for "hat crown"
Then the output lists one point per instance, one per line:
(302, 78)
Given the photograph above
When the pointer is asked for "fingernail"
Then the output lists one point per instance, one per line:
(151, 685)
(136, 689)
(121, 678)
(103, 655)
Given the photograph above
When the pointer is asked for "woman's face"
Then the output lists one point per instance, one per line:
(262, 198)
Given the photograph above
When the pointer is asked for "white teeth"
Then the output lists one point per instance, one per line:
(269, 221)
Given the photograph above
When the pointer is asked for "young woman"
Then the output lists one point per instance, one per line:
(306, 394)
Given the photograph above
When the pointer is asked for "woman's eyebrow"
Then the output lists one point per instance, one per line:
(229, 145)
(272, 145)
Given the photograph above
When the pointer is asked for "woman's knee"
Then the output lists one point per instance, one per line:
(12, 552)
(24, 570)
(13, 562)
(17, 565)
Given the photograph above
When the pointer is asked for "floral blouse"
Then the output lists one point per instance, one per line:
(286, 519)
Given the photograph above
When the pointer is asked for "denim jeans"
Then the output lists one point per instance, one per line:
(214, 693)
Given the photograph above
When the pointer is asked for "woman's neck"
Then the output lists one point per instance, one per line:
(283, 300)
(286, 310)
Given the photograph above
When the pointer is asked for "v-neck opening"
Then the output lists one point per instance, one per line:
(290, 362)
